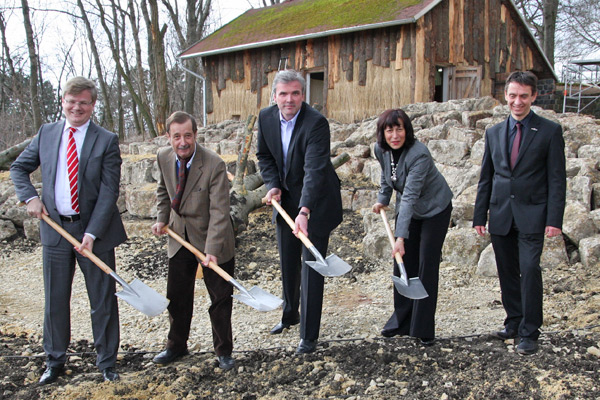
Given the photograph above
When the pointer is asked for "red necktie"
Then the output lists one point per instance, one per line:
(73, 169)
(514, 153)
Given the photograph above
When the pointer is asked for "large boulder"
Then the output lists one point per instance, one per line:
(578, 223)
(141, 200)
(7, 229)
(31, 227)
(463, 207)
(139, 169)
(589, 250)
(579, 189)
(449, 152)
(463, 246)
(459, 178)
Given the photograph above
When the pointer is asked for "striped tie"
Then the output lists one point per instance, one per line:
(73, 169)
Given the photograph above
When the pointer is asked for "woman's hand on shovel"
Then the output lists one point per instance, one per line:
(275, 194)
(399, 247)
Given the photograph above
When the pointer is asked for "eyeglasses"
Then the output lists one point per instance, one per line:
(79, 103)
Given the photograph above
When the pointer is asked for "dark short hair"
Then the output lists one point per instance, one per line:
(79, 84)
(287, 76)
(389, 119)
(525, 78)
(181, 117)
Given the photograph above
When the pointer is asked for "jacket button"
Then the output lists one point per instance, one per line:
(512, 196)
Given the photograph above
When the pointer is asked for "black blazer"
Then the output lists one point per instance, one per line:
(310, 176)
(533, 194)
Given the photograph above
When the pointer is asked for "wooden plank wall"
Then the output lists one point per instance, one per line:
(366, 72)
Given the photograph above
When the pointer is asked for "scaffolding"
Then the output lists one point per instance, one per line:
(582, 84)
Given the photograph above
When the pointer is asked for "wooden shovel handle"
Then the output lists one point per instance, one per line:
(390, 235)
(212, 265)
(76, 243)
(291, 223)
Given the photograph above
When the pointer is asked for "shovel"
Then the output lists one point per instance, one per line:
(255, 297)
(137, 294)
(330, 266)
(412, 288)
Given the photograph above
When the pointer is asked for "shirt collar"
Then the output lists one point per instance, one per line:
(291, 121)
(189, 163)
(83, 128)
(525, 121)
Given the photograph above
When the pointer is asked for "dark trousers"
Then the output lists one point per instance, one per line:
(423, 250)
(518, 262)
(59, 269)
(301, 284)
(181, 281)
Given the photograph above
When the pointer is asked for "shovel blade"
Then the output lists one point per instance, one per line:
(143, 298)
(414, 289)
(259, 299)
(334, 266)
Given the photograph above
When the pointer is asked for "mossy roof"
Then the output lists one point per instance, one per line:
(300, 19)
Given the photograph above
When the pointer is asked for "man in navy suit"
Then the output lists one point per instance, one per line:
(523, 185)
(92, 217)
(295, 164)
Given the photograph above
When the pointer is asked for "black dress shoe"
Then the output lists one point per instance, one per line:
(527, 347)
(427, 342)
(226, 362)
(506, 333)
(306, 346)
(110, 374)
(50, 375)
(390, 332)
(277, 329)
(168, 356)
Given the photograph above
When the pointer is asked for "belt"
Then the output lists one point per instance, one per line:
(70, 218)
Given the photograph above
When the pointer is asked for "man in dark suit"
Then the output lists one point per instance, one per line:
(294, 159)
(523, 185)
(86, 207)
(193, 198)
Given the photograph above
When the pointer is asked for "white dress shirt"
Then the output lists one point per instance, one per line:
(62, 190)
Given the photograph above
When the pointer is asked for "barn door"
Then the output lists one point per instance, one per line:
(465, 82)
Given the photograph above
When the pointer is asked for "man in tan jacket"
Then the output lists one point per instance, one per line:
(193, 199)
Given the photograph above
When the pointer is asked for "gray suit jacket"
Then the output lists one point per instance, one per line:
(98, 182)
(310, 176)
(422, 190)
(204, 209)
(533, 193)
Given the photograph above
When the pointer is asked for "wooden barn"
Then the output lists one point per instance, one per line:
(360, 57)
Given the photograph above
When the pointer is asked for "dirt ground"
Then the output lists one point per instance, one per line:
(351, 362)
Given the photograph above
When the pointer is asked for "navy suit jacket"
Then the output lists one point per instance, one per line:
(310, 176)
(533, 193)
(98, 183)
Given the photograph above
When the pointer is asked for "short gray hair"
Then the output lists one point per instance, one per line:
(287, 76)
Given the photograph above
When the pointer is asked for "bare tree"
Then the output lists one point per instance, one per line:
(579, 22)
(108, 119)
(34, 77)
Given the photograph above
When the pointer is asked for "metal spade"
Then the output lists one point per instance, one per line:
(255, 297)
(412, 288)
(330, 266)
(137, 294)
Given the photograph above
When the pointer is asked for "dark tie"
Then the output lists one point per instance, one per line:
(181, 179)
(73, 169)
(515, 147)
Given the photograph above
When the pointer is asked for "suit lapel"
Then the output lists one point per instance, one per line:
(54, 154)
(528, 135)
(194, 173)
(170, 173)
(88, 144)
(503, 137)
(295, 135)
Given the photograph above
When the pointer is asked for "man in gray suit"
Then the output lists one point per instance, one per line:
(293, 156)
(83, 201)
(523, 185)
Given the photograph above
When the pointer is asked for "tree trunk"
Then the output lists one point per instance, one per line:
(109, 123)
(160, 93)
(549, 28)
(9, 155)
(33, 66)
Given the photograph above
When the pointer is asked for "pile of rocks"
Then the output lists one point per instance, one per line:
(453, 132)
